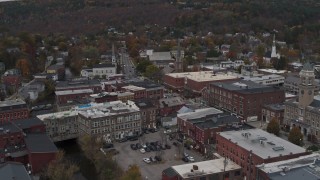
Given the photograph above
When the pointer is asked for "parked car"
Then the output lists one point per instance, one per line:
(142, 150)
(139, 146)
(144, 146)
(168, 146)
(107, 146)
(123, 140)
(133, 146)
(146, 160)
(153, 159)
(190, 158)
(185, 159)
(185, 154)
(158, 158)
(180, 140)
(163, 147)
(147, 149)
(175, 143)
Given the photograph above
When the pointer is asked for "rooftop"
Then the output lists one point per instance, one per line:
(14, 171)
(160, 56)
(262, 143)
(143, 103)
(171, 101)
(27, 123)
(204, 168)
(245, 87)
(103, 65)
(123, 94)
(277, 107)
(57, 115)
(40, 143)
(199, 113)
(12, 104)
(108, 109)
(273, 71)
(202, 76)
(77, 91)
(133, 88)
(9, 128)
(77, 83)
(304, 167)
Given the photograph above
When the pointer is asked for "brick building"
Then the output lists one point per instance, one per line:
(270, 111)
(203, 124)
(112, 120)
(11, 110)
(193, 82)
(57, 69)
(80, 83)
(25, 141)
(103, 97)
(139, 92)
(153, 91)
(249, 148)
(12, 82)
(125, 96)
(148, 112)
(212, 169)
(63, 97)
(170, 105)
(243, 98)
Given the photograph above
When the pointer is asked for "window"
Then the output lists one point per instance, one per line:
(237, 173)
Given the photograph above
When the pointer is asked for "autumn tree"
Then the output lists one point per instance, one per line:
(274, 127)
(295, 136)
(60, 168)
(151, 71)
(133, 173)
(24, 66)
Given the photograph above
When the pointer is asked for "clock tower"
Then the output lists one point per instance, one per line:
(306, 86)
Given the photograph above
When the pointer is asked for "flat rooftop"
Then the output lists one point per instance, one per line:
(108, 109)
(245, 87)
(271, 146)
(57, 115)
(10, 103)
(304, 167)
(133, 88)
(202, 76)
(273, 71)
(199, 113)
(77, 91)
(204, 168)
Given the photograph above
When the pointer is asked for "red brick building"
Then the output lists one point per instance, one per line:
(139, 92)
(12, 110)
(203, 124)
(64, 97)
(104, 97)
(243, 98)
(26, 141)
(249, 148)
(194, 82)
(170, 105)
(270, 111)
(12, 82)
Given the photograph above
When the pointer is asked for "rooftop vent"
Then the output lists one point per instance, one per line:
(278, 148)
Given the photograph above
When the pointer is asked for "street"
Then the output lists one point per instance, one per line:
(127, 66)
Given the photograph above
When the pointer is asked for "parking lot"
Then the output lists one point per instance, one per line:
(153, 171)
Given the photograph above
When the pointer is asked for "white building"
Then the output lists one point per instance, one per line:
(272, 79)
(99, 70)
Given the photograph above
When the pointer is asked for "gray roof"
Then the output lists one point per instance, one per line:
(160, 56)
(103, 65)
(171, 101)
(77, 83)
(272, 146)
(13, 171)
(245, 87)
(144, 103)
(277, 107)
(216, 121)
(12, 104)
(40, 143)
(27, 123)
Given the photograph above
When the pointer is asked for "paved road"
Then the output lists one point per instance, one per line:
(128, 157)
(128, 67)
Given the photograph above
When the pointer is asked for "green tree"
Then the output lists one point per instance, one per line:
(142, 65)
(60, 168)
(274, 127)
(133, 173)
(151, 70)
(295, 136)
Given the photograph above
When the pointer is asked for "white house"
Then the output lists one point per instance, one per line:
(104, 69)
(87, 73)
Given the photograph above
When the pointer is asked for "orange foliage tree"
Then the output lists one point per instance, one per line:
(24, 66)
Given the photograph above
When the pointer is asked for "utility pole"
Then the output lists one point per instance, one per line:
(250, 161)
(225, 163)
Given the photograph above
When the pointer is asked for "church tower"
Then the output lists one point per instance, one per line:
(274, 49)
(113, 57)
(307, 85)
